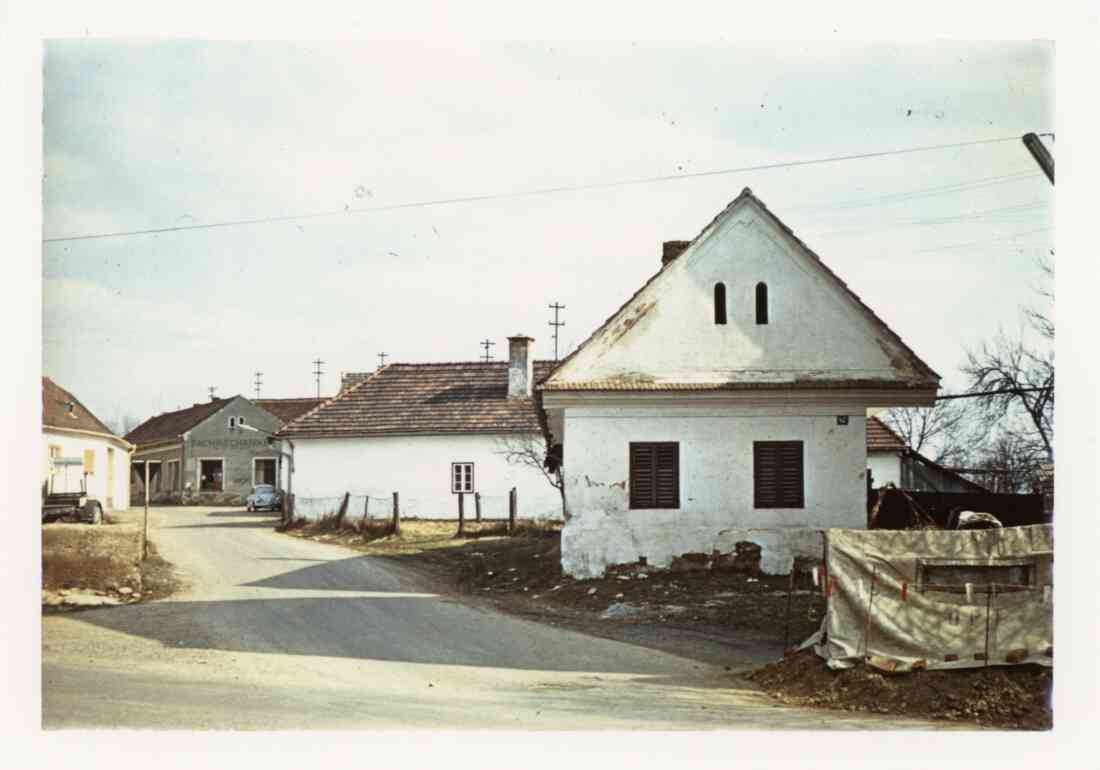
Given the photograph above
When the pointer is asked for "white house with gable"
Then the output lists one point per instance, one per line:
(725, 401)
(80, 453)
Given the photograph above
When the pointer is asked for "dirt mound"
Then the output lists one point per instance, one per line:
(1015, 697)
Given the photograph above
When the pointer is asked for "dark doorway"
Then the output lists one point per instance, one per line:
(266, 472)
(210, 475)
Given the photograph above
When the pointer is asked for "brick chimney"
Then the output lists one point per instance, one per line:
(520, 367)
(672, 249)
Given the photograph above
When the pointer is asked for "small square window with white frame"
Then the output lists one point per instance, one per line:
(462, 477)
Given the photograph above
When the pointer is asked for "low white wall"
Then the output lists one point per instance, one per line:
(73, 445)
(716, 483)
(419, 468)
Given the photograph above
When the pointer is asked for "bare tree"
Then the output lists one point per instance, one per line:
(1012, 464)
(943, 433)
(1017, 379)
(530, 450)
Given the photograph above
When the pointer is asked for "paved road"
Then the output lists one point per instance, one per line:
(275, 632)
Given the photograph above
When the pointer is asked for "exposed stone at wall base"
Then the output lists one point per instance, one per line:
(594, 541)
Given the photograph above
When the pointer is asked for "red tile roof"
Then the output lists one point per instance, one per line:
(464, 397)
(61, 409)
(880, 438)
(288, 409)
(923, 376)
(168, 426)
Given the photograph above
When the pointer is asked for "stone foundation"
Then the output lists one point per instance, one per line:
(595, 541)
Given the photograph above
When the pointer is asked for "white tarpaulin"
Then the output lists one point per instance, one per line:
(910, 599)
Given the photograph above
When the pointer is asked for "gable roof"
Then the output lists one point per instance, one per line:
(169, 426)
(880, 438)
(61, 409)
(462, 397)
(923, 375)
(288, 409)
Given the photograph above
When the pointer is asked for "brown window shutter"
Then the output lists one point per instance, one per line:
(642, 476)
(778, 474)
(655, 474)
(668, 475)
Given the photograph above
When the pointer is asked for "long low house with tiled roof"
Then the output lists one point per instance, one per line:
(81, 454)
(212, 452)
(428, 431)
(725, 402)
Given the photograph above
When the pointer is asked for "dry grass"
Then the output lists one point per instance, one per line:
(103, 558)
(417, 535)
(90, 557)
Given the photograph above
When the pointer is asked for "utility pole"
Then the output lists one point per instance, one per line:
(258, 383)
(212, 388)
(487, 356)
(382, 359)
(1041, 154)
(317, 375)
(556, 324)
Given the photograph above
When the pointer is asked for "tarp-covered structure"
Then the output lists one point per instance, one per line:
(915, 599)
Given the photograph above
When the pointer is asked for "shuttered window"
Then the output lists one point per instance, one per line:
(655, 474)
(777, 474)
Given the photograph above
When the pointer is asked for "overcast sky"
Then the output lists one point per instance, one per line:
(943, 245)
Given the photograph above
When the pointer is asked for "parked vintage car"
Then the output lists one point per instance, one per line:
(265, 496)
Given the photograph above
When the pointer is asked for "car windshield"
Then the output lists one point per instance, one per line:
(264, 489)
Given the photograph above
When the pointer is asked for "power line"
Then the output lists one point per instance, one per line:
(528, 193)
(985, 240)
(1006, 391)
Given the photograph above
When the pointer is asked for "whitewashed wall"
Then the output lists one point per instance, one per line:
(815, 329)
(716, 482)
(419, 468)
(885, 468)
(73, 445)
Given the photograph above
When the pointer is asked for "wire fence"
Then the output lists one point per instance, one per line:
(372, 504)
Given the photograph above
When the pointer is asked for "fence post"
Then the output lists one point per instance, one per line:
(396, 515)
(477, 506)
(343, 511)
(461, 515)
(512, 511)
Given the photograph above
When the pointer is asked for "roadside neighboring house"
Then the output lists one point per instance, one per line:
(891, 461)
(726, 401)
(207, 453)
(78, 448)
(427, 431)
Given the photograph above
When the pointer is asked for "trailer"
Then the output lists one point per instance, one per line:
(65, 498)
